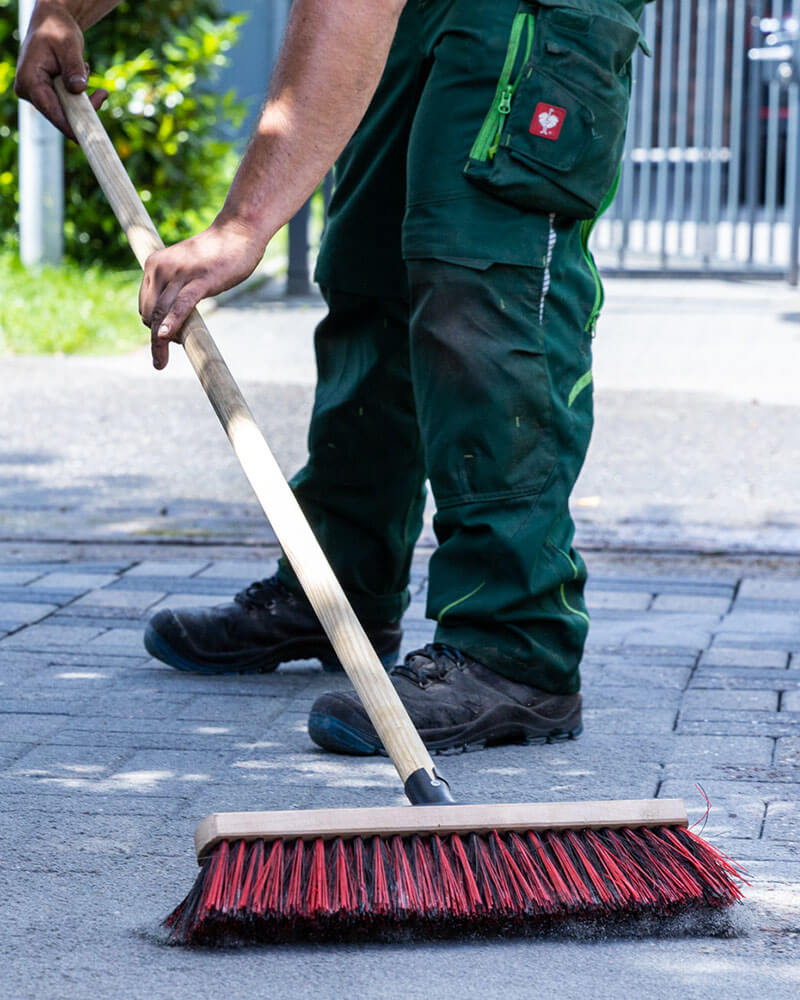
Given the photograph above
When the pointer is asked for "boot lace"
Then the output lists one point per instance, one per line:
(263, 593)
(429, 664)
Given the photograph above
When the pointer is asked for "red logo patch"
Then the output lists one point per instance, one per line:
(547, 121)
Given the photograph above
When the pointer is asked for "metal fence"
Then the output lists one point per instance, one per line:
(710, 177)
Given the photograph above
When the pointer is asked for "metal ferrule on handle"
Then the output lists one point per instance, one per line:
(388, 715)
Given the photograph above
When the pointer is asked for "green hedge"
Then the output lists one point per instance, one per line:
(158, 61)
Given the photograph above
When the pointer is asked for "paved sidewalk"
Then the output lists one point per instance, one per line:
(108, 759)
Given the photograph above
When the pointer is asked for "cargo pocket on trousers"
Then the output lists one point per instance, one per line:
(554, 136)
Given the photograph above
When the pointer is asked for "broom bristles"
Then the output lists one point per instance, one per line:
(439, 886)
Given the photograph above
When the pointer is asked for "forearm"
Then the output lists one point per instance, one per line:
(327, 71)
(85, 12)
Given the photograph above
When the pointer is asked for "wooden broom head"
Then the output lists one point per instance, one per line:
(405, 821)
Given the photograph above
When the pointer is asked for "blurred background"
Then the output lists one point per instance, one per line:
(695, 360)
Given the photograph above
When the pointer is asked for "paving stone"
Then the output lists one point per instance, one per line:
(791, 701)
(166, 568)
(735, 723)
(73, 582)
(47, 637)
(781, 821)
(644, 674)
(761, 623)
(11, 751)
(691, 603)
(129, 601)
(770, 588)
(678, 631)
(603, 656)
(26, 726)
(719, 656)
(697, 700)
(244, 571)
(53, 761)
(746, 678)
(117, 640)
(732, 813)
(187, 601)
(663, 584)
(787, 750)
(222, 709)
(18, 577)
(617, 600)
(790, 641)
(785, 774)
(31, 595)
(34, 798)
(15, 614)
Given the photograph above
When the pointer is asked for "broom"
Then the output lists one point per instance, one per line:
(439, 868)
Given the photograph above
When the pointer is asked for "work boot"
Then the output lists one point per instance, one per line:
(265, 625)
(455, 704)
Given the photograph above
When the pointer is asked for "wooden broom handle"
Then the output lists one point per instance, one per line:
(316, 577)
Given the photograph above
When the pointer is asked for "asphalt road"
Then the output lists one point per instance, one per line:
(695, 446)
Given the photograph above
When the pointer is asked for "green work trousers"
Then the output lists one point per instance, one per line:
(457, 345)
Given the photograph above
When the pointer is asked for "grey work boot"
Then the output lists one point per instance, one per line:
(265, 625)
(455, 703)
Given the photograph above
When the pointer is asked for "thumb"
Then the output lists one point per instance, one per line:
(74, 71)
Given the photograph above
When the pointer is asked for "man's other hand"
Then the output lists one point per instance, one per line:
(178, 277)
(53, 47)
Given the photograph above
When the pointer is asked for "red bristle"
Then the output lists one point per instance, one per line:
(675, 885)
(360, 875)
(627, 888)
(562, 891)
(542, 894)
(494, 889)
(519, 887)
(268, 891)
(711, 855)
(234, 876)
(430, 897)
(567, 865)
(255, 861)
(714, 869)
(381, 900)
(214, 883)
(607, 895)
(454, 898)
(406, 899)
(343, 898)
(644, 882)
(472, 892)
(294, 890)
(317, 901)
(671, 861)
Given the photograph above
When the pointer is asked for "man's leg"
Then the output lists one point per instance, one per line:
(504, 297)
(362, 488)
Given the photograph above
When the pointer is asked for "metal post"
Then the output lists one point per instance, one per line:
(298, 283)
(41, 179)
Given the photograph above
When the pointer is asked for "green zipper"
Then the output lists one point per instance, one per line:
(586, 231)
(485, 145)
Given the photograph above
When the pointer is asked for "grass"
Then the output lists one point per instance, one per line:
(68, 309)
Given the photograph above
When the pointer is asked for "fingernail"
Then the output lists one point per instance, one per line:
(163, 330)
(77, 81)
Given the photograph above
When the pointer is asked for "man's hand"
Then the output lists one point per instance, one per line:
(54, 47)
(178, 277)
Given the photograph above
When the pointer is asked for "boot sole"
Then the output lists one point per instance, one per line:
(258, 662)
(336, 736)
